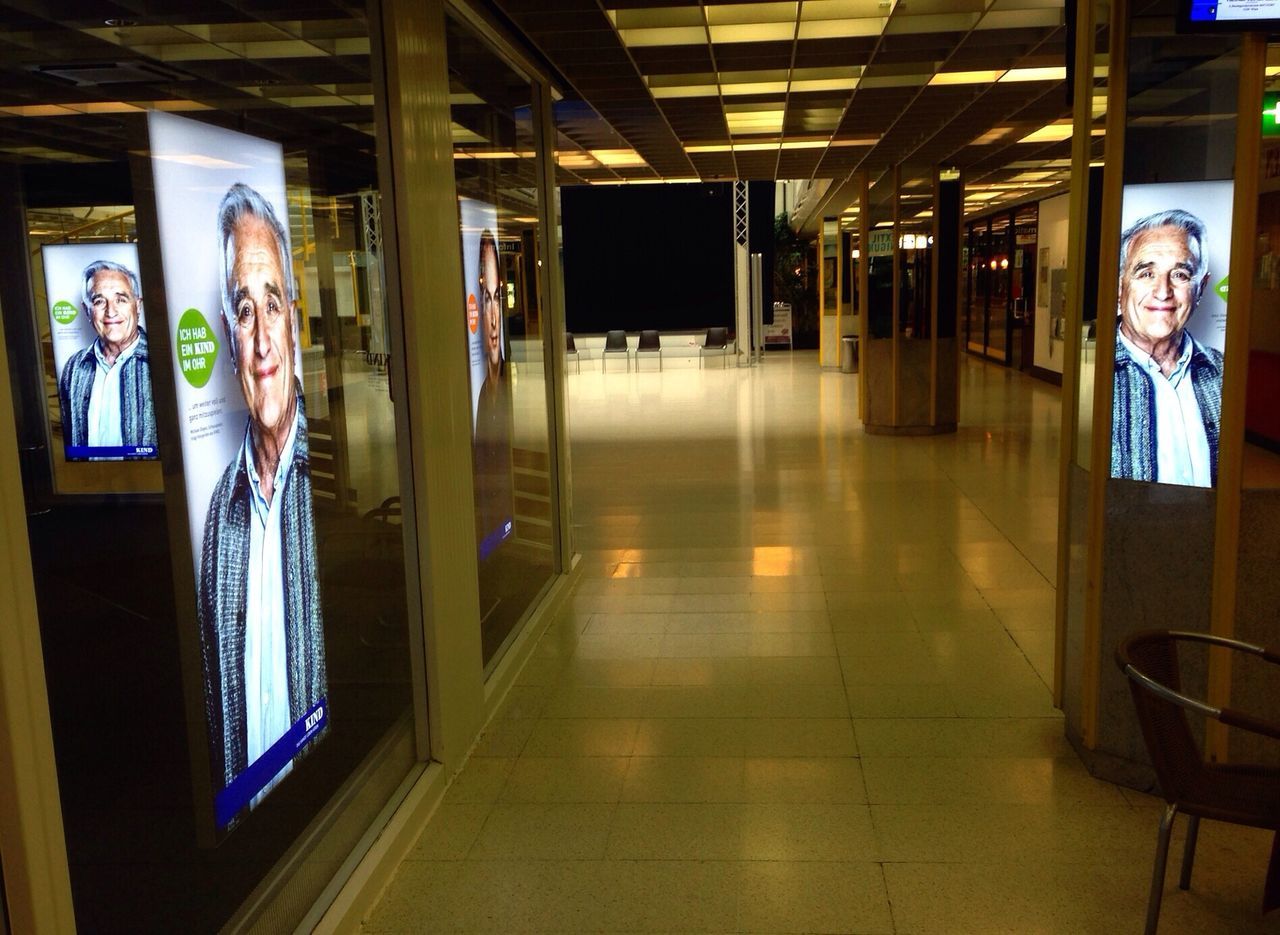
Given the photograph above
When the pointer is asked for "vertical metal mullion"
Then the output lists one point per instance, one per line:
(551, 297)
(1244, 223)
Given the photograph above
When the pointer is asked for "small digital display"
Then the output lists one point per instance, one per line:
(1229, 15)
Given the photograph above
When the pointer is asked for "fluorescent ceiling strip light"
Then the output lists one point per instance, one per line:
(840, 28)
(754, 87)
(1050, 133)
(747, 14)
(1057, 73)
(965, 77)
(691, 90)
(653, 17)
(752, 32)
(846, 9)
(755, 146)
(617, 157)
(673, 35)
(823, 84)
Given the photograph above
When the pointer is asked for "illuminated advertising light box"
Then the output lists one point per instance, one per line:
(1170, 329)
(233, 316)
(101, 359)
(486, 294)
(1228, 16)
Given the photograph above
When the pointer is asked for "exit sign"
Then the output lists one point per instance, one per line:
(1271, 113)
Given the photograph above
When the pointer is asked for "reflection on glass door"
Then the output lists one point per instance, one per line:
(1022, 288)
(499, 204)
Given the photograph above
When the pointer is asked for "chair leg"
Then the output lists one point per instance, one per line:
(1189, 852)
(1157, 872)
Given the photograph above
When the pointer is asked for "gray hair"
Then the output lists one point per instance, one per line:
(1190, 225)
(241, 202)
(106, 266)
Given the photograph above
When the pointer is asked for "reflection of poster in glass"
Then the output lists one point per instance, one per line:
(1171, 324)
(490, 382)
(233, 313)
(100, 356)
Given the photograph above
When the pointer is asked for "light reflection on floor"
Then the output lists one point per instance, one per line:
(802, 687)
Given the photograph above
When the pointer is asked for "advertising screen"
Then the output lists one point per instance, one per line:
(490, 382)
(1170, 329)
(100, 357)
(234, 320)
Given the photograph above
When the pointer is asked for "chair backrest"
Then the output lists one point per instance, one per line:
(1174, 752)
(649, 341)
(717, 337)
(615, 341)
(569, 346)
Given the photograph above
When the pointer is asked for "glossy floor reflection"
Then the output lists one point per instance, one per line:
(803, 686)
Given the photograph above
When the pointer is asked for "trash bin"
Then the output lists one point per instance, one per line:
(849, 353)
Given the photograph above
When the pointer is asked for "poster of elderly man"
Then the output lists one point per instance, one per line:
(234, 328)
(1170, 329)
(102, 365)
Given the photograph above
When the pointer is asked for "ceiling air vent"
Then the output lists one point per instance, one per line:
(93, 74)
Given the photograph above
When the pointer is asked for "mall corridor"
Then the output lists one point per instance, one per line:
(802, 686)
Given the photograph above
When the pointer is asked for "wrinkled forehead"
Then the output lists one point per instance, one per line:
(255, 244)
(1168, 243)
(109, 282)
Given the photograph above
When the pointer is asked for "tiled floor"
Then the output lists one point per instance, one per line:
(802, 687)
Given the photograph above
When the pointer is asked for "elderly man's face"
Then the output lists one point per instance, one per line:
(1158, 291)
(491, 301)
(114, 309)
(264, 322)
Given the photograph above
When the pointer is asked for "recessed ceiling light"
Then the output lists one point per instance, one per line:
(120, 23)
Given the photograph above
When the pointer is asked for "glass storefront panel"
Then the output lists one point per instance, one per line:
(499, 206)
(206, 376)
(998, 300)
(1022, 286)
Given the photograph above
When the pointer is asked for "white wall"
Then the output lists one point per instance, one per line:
(1052, 234)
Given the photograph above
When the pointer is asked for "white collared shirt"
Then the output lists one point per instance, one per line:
(266, 680)
(104, 398)
(1182, 448)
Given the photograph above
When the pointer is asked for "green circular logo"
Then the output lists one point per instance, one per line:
(64, 313)
(197, 348)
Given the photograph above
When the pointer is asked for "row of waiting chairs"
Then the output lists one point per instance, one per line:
(615, 342)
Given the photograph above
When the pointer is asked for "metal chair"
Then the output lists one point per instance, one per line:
(717, 340)
(615, 342)
(1244, 794)
(649, 344)
(571, 351)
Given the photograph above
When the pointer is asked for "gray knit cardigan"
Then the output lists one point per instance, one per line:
(137, 415)
(221, 602)
(1133, 412)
